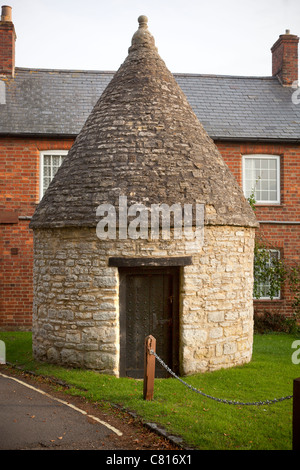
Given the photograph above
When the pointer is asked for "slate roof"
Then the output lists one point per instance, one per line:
(58, 102)
(142, 140)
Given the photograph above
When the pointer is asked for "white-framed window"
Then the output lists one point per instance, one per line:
(263, 284)
(50, 161)
(261, 177)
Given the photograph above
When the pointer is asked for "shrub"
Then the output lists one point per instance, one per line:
(268, 322)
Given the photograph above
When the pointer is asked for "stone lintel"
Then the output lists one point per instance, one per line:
(122, 262)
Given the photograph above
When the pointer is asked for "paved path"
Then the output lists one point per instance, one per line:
(35, 415)
(33, 419)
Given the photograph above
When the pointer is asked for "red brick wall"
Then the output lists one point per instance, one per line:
(285, 237)
(19, 174)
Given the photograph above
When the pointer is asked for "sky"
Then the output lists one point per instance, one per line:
(223, 37)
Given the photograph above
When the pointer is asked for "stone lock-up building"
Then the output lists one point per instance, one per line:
(98, 293)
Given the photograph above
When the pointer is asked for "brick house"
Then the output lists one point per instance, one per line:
(254, 121)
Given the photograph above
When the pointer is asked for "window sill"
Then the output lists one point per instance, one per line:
(269, 300)
(268, 204)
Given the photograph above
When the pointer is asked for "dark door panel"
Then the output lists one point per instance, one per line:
(147, 306)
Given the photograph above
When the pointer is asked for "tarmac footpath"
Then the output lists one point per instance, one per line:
(36, 415)
(31, 418)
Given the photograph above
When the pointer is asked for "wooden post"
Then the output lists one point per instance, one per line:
(149, 367)
(296, 414)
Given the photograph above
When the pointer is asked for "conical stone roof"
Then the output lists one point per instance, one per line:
(142, 140)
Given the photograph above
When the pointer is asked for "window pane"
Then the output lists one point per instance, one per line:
(257, 162)
(55, 160)
(248, 164)
(272, 164)
(264, 174)
(46, 182)
(47, 171)
(248, 188)
(47, 160)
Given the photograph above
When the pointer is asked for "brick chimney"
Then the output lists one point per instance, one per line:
(7, 43)
(285, 58)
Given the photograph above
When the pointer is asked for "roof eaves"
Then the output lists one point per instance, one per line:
(218, 138)
(33, 70)
(39, 134)
(238, 77)
(255, 139)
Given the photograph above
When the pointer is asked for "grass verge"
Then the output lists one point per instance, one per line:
(202, 422)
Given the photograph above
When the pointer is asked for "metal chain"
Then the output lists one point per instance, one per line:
(228, 402)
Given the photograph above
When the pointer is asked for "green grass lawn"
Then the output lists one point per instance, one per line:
(202, 422)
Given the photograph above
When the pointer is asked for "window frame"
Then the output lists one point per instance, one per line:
(43, 153)
(274, 250)
(278, 176)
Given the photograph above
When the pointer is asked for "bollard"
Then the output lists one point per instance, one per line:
(149, 367)
(296, 414)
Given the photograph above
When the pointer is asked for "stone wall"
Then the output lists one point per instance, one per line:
(217, 316)
(76, 306)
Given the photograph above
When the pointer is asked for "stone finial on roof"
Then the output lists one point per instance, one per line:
(142, 37)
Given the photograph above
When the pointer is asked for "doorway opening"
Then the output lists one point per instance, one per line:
(149, 304)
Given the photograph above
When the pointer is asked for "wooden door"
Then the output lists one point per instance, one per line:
(148, 305)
